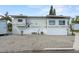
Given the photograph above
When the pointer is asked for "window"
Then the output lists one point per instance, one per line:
(51, 22)
(20, 20)
(61, 22)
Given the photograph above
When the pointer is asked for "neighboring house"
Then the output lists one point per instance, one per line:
(3, 26)
(75, 24)
(49, 25)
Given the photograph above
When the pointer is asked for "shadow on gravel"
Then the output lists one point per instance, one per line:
(4, 35)
(48, 51)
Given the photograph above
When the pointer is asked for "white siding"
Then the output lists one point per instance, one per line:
(75, 26)
(3, 27)
(37, 30)
(57, 31)
(57, 22)
(39, 25)
(37, 22)
(15, 21)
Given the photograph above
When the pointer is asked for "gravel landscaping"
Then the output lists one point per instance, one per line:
(14, 43)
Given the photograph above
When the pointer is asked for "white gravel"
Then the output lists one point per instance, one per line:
(13, 43)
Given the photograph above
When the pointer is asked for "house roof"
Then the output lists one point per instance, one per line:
(18, 16)
(55, 16)
(1, 17)
(48, 16)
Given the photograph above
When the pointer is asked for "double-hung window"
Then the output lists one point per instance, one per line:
(20, 20)
(61, 22)
(51, 22)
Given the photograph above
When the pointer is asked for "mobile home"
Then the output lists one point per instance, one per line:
(49, 25)
(75, 24)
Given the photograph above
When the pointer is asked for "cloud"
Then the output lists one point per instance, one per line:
(39, 10)
(59, 10)
(72, 10)
(44, 11)
(67, 10)
(35, 6)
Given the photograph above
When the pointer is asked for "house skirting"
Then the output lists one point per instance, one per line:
(47, 31)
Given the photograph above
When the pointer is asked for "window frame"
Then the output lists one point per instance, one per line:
(62, 22)
(20, 20)
(52, 23)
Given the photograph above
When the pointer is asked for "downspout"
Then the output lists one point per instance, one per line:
(46, 24)
(67, 26)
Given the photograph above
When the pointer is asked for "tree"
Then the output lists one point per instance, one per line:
(52, 11)
(9, 27)
(6, 14)
(72, 21)
(7, 18)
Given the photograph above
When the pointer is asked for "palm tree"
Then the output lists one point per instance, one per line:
(7, 18)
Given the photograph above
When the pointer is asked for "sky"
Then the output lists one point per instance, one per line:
(39, 10)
